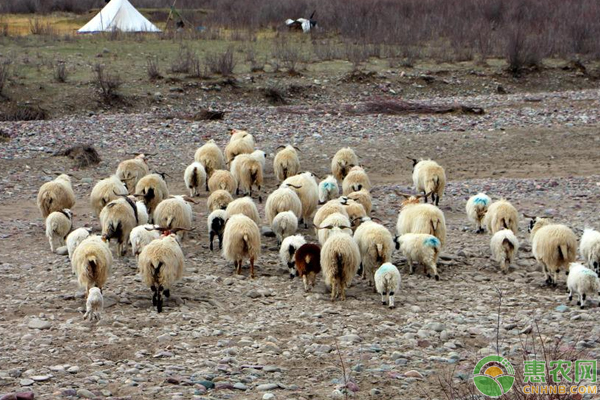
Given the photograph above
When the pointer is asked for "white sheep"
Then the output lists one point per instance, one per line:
(246, 206)
(501, 215)
(340, 259)
(430, 178)
(131, 171)
(142, 211)
(333, 220)
(118, 218)
(286, 162)
(375, 244)
(504, 246)
(141, 236)
(355, 211)
(241, 240)
(284, 224)
(260, 156)
(56, 195)
(342, 161)
(387, 283)
(248, 172)
(92, 263)
(75, 238)
(477, 207)
(423, 248)
(282, 199)
(152, 189)
(58, 226)
(218, 200)
(552, 245)
(356, 180)
(161, 264)
(238, 134)
(222, 179)
(216, 226)
(94, 305)
(582, 281)
(211, 157)
(194, 177)
(175, 212)
(328, 189)
(307, 189)
(106, 191)
(363, 197)
(287, 252)
(421, 218)
(589, 248)
(236, 147)
(331, 207)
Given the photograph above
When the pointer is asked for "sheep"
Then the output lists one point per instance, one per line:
(222, 179)
(501, 215)
(354, 210)
(286, 163)
(288, 249)
(589, 248)
(387, 282)
(75, 238)
(216, 226)
(356, 180)
(94, 305)
(328, 189)
(340, 259)
(152, 189)
(236, 147)
(552, 245)
(284, 224)
(422, 247)
(342, 161)
(421, 218)
(246, 206)
(56, 195)
(175, 212)
(282, 199)
(308, 264)
(131, 171)
(118, 218)
(238, 134)
(58, 226)
(260, 156)
(142, 211)
(335, 219)
(241, 240)
(211, 157)
(106, 191)
(248, 172)
(92, 262)
(583, 282)
(141, 236)
(306, 188)
(331, 207)
(477, 207)
(430, 178)
(375, 244)
(504, 246)
(218, 200)
(194, 177)
(161, 264)
(363, 197)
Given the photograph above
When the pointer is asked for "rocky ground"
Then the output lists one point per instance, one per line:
(223, 336)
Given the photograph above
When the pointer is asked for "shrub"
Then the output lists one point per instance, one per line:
(60, 72)
(221, 63)
(183, 61)
(108, 83)
(37, 27)
(4, 73)
(521, 52)
(152, 69)
(288, 54)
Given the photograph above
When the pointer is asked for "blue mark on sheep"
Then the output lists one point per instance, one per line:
(481, 201)
(385, 268)
(432, 242)
(328, 185)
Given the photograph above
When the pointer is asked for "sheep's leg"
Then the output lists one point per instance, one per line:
(51, 240)
(291, 269)
(221, 242)
(251, 267)
(212, 236)
(167, 293)
(383, 300)
(583, 299)
(343, 292)
(313, 279)
(433, 269)
(361, 271)
(570, 294)
(555, 278)
(333, 291)
(259, 195)
(305, 281)
(391, 300)
(437, 200)
(238, 267)
(411, 268)
(504, 267)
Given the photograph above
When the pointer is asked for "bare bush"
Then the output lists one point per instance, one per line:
(288, 54)
(357, 55)
(4, 74)
(182, 64)
(521, 52)
(152, 69)
(23, 112)
(38, 27)
(60, 72)
(108, 83)
(221, 63)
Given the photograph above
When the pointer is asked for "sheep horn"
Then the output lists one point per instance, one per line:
(279, 147)
(175, 230)
(189, 199)
(403, 194)
(529, 216)
(294, 186)
(127, 179)
(344, 227)
(296, 148)
(138, 195)
(355, 219)
(121, 195)
(376, 219)
(157, 228)
(323, 227)
(149, 154)
(423, 195)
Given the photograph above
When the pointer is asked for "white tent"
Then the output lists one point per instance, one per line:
(119, 15)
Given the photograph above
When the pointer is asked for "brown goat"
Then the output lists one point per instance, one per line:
(308, 264)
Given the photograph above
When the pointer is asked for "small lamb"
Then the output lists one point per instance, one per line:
(582, 281)
(94, 305)
(387, 282)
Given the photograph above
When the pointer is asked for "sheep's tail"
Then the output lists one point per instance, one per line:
(92, 267)
(508, 246)
(47, 200)
(246, 241)
(563, 252)
(433, 225)
(170, 222)
(194, 177)
(113, 231)
(339, 270)
(379, 251)
(388, 279)
(432, 184)
(504, 223)
(285, 172)
(307, 259)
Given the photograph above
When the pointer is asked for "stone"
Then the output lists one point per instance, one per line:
(268, 396)
(374, 392)
(37, 323)
(267, 386)
(350, 339)
(562, 308)
(240, 386)
(41, 378)
(86, 394)
(73, 370)
(26, 382)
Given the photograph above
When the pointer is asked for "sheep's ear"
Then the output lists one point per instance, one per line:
(529, 216)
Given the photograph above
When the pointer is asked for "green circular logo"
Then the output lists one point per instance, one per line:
(494, 376)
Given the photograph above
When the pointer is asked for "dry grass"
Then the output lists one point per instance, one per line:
(82, 155)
